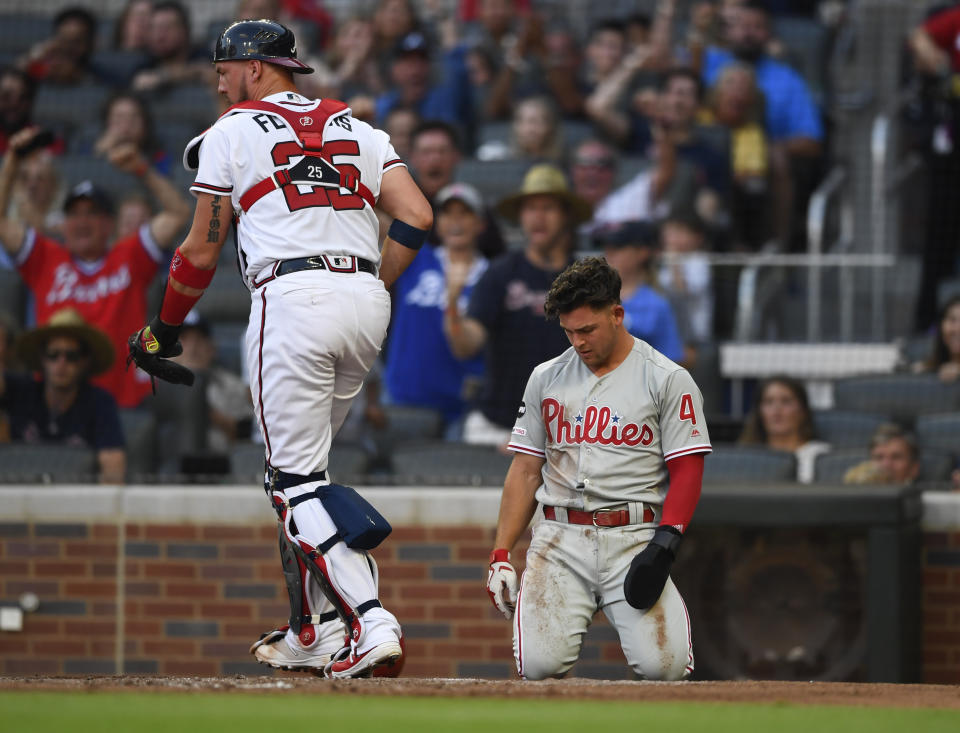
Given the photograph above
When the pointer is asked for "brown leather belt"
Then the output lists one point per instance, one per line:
(601, 517)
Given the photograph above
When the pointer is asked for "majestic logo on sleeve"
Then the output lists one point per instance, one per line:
(595, 425)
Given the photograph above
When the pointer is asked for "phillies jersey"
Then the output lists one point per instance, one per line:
(109, 293)
(246, 146)
(606, 439)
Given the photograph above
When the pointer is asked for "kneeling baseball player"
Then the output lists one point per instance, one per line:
(601, 429)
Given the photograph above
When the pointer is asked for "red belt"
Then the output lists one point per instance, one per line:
(601, 517)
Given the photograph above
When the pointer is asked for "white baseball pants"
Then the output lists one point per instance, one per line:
(571, 572)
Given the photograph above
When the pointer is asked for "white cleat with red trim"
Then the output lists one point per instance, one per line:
(387, 655)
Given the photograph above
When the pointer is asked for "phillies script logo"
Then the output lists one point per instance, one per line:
(596, 425)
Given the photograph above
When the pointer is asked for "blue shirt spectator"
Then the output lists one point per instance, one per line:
(791, 113)
(410, 74)
(790, 109)
(417, 338)
(648, 316)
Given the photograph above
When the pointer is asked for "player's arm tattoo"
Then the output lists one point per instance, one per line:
(213, 233)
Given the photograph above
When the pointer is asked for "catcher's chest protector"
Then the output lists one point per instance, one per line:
(316, 167)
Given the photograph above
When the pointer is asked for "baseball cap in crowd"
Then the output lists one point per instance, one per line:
(413, 42)
(627, 234)
(196, 321)
(88, 190)
(462, 192)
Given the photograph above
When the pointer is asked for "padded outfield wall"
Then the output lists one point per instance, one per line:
(180, 580)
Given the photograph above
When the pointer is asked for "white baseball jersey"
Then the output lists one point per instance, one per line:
(246, 146)
(606, 439)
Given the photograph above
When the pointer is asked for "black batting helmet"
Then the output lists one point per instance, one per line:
(264, 39)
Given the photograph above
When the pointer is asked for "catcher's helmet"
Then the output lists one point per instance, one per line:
(264, 39)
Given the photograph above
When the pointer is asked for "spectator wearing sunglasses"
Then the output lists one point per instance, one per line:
(62, 406)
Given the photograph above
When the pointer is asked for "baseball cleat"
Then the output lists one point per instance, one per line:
(391, 670)
(269, 637)
(274, 651)
(387, 654)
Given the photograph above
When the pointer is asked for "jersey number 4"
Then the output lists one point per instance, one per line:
(686, 409)
(320, 195)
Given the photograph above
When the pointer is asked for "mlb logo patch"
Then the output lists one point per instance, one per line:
(340, 263)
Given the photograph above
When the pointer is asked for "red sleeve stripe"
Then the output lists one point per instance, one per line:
(524, 449)
(395, 161)
(215, 189)
(706, 448)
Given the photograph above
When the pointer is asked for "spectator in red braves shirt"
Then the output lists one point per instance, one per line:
(105, 282)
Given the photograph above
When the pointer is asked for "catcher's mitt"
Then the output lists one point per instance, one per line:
(147, 351)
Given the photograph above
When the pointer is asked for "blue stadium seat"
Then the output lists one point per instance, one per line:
(140, 436)
(75, 168)
(193, 106)
(435, 462)
(846, 428)
(65, 109)
(47, 463)
(741, 463)
(494, 178)
(23, 30)
(348, 463)
(940, 431)
(831, 467)
(902, 396)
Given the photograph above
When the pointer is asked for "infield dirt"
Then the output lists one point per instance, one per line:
(813, 693)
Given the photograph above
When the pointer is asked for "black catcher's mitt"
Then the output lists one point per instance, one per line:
(150, 349)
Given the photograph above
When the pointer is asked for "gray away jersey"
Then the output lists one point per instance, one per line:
(606, 439)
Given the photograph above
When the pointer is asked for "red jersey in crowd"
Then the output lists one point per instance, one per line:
(109, 293)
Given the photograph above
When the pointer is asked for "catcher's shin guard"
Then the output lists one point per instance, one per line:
(310, 564)
(307, 607)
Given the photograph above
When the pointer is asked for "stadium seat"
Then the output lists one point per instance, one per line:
(140, 436)
(935, 465)
(348, 462)
(47, 463)
(902, 396)
(75, 168)
(846, 428)
(185, 105)
(493, 178)
(831, 467)
(436, 462)
(229, 339)
(65, 109)
(940, 431)
(741, 463)
(13, 295)
(22, 30)
(227, 298)
(806, 41)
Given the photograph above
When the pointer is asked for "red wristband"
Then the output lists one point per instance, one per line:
(499, 555)
(188, 274)
(176, 305)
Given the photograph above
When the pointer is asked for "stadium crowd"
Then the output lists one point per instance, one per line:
(653, 132)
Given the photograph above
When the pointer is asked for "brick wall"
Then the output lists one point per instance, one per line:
(195, 595)
(941, 607)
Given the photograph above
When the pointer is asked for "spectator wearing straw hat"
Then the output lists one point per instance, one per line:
(505, 314)
(63, 407)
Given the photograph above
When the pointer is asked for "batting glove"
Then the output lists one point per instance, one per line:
(502, 583)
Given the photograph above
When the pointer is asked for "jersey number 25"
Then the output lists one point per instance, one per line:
(320, 195)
